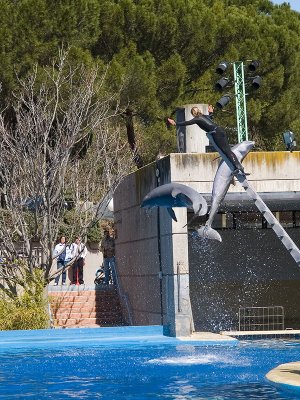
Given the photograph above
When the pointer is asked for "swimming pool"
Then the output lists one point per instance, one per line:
(137, 363)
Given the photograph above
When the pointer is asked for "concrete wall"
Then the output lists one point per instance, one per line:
(270, 171)
(250, 268)
(137, 250)
(152, 254)
(152, 250)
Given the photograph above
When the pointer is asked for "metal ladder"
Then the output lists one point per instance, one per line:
(270, 218)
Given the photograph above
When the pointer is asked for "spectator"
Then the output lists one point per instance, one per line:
(107, 247)
(79, 252)
(59, 253)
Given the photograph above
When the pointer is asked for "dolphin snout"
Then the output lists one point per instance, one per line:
(145, 202)
(250, 143)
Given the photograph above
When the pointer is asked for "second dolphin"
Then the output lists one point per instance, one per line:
(221, 185)
(175, 195)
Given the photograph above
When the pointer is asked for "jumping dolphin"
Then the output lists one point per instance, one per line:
(221, 185)
(175, 195)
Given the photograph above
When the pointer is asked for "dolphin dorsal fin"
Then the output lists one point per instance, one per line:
(175, 192)
(172, 214)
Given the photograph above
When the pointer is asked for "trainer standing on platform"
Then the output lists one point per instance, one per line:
(216, 135)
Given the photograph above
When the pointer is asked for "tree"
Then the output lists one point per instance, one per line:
(59, 112)
(164, 53)
(185, 40)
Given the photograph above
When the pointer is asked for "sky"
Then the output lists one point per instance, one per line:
(295, 4)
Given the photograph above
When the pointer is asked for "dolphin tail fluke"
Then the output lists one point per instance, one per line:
(209, 233)
(172, 213)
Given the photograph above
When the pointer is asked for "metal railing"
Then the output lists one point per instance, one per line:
(261, 318)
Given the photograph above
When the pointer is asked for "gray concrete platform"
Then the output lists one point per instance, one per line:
(280, 334)
(207, 337)
(79, 288)
(287, 375)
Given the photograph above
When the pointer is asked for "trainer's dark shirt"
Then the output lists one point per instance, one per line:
(204, 122)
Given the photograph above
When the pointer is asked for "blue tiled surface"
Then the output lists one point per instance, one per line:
(92, 336)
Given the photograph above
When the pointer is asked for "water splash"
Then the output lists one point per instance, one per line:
(200, 360)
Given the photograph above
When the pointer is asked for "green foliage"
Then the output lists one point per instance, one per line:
(158, 141)
(164, 54)
(27, 310)
(32, 31)
(136, 73)
(186, 40)
(94, 233)
(170, 80)
(70, 227)
(159, 54)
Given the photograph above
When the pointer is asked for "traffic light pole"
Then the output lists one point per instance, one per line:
(240, 100)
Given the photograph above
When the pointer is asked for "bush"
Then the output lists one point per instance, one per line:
(94, 234)
(27, 310)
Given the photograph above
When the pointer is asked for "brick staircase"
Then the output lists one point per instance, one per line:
(80, 307)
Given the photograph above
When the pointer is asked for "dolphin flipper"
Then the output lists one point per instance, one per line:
(172, 213)
(209, 233)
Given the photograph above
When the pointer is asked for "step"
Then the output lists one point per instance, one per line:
(86, 308)
(92, 314)
(85, 300)
(59, 313)
(98, 310)
(87, 322)
(83, 293)
(106, 304)
(76, 315)
(110, 303)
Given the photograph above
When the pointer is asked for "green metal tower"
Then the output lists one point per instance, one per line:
(240, 100)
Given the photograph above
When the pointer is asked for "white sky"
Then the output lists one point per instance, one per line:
(295, 4)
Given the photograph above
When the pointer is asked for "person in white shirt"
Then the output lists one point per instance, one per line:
(59, 253)
(79, 252)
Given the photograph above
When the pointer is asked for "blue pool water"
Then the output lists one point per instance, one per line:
(137, 363)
